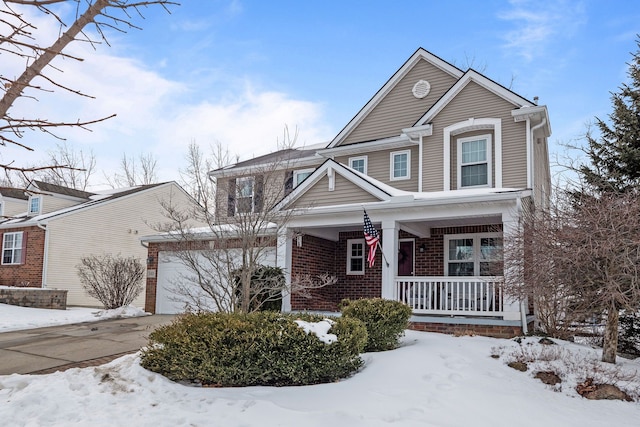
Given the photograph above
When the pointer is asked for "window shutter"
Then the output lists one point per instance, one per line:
(258, 193)
(23, 259)
(231, 198)
(288, 182)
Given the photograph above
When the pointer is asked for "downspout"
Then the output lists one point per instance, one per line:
(420, 160)
(45, 256)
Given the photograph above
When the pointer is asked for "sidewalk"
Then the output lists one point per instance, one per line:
(57, 348)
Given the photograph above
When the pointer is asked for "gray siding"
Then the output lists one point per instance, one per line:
(399, 108)
(345, 192)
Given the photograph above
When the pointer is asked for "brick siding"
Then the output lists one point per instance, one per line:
(28, 274)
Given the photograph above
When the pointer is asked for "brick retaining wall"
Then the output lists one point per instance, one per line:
(36, 298)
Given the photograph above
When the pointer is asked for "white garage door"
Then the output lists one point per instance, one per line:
(170, 270)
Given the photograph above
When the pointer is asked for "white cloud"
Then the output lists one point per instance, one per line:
(537, 23)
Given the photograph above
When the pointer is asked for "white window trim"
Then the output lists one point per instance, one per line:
(350, 242)
(31, 198)
(476, 237)
(13, 249)
(253, 195)
(391, 164)
(489, 160)
(365, 158)
(300, 172)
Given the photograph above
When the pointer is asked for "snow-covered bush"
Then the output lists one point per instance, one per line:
(385, 320)
(247, 349)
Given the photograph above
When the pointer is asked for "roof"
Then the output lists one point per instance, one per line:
(281, 156)
(59, 189)
(13, 193)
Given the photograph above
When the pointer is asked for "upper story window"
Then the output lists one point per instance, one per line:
(245, 194)
(358, 163)
(35, 205)
(474, 161)
(400, 165)
(12, 248)
(355, 256)
(301, 175)
(473, 254)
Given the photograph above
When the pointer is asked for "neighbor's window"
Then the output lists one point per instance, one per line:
(12, 248)
(400, 165)
(474, 161)
(358, 163)
(473, 255)
(245, 194)
(34, 205)
(355, 256)
(301, 175)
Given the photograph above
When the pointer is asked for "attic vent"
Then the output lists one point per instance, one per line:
(421, 89)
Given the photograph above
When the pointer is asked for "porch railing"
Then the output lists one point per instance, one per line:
(455, 296)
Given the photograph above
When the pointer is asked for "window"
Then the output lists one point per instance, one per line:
(474, 161)
(358, 163)
(244, 195)
(400, 165)
(34, 205)
(473, 255)
(12, 248)
(301, 175)
(355, 256)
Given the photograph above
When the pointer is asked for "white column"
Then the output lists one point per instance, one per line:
(283, 260)
(390, 249)
(512, 305)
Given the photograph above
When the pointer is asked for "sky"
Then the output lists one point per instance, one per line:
(237, 72)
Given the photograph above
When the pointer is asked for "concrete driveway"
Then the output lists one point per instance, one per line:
(56, 348)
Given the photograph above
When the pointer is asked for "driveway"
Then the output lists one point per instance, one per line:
(45, 350)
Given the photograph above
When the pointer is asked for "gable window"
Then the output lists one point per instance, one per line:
(34, 205)
(301, 175)
(400, 165)
(355, 256)
(12, 248)
(358, 163)
(474, 161)
(245, 194)
(473, 255)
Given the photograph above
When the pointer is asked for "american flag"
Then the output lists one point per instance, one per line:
(372, 237)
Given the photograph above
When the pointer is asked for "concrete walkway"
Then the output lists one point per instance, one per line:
(56, 348)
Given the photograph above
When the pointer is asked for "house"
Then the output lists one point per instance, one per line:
(13, 202)
(57, 226)
(446, 163)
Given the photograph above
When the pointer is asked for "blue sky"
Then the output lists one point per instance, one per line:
(236, 72)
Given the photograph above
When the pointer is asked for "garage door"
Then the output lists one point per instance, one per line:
(170, 271)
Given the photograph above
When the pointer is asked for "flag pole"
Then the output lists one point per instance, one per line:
(383, 255)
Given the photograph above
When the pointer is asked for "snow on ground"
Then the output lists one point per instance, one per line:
(432, 380)
(14, 318)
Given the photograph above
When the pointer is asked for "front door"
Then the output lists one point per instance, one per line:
(405, 258)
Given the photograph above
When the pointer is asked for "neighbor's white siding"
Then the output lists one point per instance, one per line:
(112, 228)
(13, 207)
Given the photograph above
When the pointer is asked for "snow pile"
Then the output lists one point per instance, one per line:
(431, 380)
(15, 318)
(320, 329)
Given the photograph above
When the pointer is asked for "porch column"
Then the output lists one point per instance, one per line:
(512, 305)
(283, 260)
(390, 233)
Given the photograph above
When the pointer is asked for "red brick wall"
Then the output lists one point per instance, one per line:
(29, 273)
(496, 331)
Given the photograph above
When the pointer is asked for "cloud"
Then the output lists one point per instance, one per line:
(538, 23)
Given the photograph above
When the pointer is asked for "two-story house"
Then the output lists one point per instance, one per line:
(446, 163)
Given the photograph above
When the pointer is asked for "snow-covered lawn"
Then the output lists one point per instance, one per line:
(432, 380)
(14, 318)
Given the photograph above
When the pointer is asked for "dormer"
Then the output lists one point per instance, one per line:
(45, 197)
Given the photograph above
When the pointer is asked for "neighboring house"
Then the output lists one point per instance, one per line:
(446, 163)
(57, 226)
(13, 202)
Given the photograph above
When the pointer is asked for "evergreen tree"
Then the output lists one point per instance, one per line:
(615, 156)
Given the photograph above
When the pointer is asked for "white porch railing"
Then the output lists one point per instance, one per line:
(454, 296)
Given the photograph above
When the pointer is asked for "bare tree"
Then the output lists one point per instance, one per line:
(18, 38)
(142, 171)
(71, 168)
(581, 259)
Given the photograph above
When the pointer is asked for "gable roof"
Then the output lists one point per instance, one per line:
(13, 193)
(288, 156)
(420, 54)
(59, 189)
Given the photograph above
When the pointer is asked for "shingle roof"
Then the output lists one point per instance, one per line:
(14, 193)
(285, 155)
(59, 189)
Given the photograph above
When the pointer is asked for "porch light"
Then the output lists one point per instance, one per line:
(150, 260)
(423, 248)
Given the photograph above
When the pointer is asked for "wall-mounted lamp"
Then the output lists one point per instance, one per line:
(150, 260)
(423, 248)
(299, 240)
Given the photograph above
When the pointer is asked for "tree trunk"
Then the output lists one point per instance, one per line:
(610, 342)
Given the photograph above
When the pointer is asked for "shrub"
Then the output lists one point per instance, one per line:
(115, 281)
(267, 283)
(247, 349)
(385, 320)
